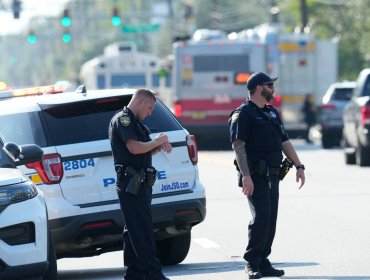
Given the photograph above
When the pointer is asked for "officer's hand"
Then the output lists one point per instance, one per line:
(300, 176)
(161, 139)
(167, 147)
(248, 186)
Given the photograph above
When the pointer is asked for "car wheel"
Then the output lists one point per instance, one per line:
(173, 250)
(326, 141)
(349, 152)
(362, 155)
(52, 272)
(350, 158)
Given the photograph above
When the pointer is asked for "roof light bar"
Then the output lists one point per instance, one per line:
(41, 90)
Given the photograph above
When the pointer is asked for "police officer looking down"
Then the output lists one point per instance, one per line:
(258, 139)
(132, 150)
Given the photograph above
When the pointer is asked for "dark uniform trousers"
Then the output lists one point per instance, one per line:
(261, 229)
(139, 246)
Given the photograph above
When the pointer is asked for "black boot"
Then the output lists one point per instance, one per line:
(252, 271)
(269, 271)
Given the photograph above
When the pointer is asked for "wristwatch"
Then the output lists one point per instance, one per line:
(300, 167)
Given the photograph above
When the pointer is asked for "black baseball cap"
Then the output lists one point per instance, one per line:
(259, 78)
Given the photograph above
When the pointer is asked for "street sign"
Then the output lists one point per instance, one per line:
(140, 28)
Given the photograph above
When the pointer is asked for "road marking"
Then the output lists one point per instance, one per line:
(206, 243)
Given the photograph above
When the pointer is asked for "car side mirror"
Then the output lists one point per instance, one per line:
(13, 149)
(29, 153)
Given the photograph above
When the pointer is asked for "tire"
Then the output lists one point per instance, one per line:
(349, 152)
(350, 158)
(173, 250)
(52, 272)
(362, 155)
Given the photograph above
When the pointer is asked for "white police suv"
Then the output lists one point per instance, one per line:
(77, 173)
(26, 247)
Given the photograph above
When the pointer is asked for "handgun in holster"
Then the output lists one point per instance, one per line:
(240, 177)
(120, 173)
(284, 168)
(136, 180)
(150, 176)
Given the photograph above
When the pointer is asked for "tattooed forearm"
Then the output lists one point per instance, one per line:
(241, 157)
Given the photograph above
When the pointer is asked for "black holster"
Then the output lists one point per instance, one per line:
(120, 171)
(136, 180)
(150, 176)
(284, 168)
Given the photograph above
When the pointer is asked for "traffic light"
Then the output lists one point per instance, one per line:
(66, 20)
(16, 7)
(31, 37)
(116, 19)
(66, 37)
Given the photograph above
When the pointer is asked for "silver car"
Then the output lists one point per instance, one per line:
(331, 111)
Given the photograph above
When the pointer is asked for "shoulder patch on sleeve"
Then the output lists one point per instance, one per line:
(125, 120)
(235, 117)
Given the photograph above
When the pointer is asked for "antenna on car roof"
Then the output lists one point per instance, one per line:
(81, 89)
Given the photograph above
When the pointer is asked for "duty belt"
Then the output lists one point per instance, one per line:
(273, 171)
(148, 174)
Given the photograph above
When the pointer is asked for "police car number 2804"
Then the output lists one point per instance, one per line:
(78, 164)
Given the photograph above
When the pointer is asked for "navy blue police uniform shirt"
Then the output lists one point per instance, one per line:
(124, 125)
(262, 131)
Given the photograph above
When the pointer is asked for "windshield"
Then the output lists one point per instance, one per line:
(343, 94)
(22, 128)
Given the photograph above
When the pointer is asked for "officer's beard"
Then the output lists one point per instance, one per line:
(267, 94)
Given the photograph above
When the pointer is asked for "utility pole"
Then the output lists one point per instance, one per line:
(304, 16)
(216, 16)
(170, 9)
(16, 7)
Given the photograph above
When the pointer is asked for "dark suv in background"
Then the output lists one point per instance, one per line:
(356, 119)
(331, 112)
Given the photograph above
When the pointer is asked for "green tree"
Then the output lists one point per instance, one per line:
(345, 21)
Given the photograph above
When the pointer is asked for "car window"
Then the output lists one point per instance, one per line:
(89, 120)
(366, 90)
(22, 128)
(162, 120)
(343, 94)
(5, 161)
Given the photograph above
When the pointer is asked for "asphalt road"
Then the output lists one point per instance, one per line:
(323, 229)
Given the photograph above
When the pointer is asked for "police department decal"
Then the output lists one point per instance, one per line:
(125, 120)
(235, 117)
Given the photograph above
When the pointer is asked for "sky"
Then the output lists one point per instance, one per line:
(30, 8)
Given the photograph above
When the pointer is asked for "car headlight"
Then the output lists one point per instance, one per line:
(16, 193)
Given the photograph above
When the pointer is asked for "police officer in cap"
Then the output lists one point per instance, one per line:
(132, 150)
(259, 140)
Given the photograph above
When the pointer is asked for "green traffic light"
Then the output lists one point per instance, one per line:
(66, 21)
(116, 21)
(31, 38)
(67, 38)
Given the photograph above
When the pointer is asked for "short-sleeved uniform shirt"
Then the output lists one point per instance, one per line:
(262, 131)
(123, 126)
